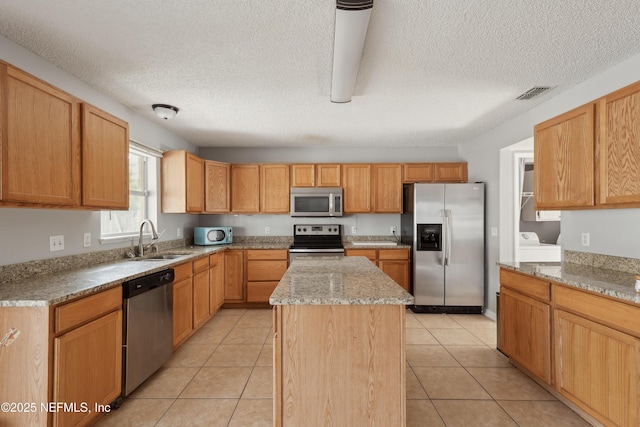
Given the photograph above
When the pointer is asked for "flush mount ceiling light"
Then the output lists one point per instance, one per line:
(165, 111)
(352, 20)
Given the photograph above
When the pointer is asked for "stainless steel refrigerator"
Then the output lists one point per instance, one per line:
(444, 223)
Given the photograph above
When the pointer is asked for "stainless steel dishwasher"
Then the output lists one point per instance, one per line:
(148, 327)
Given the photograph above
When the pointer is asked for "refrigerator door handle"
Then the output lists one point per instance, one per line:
(443, 212)
(448, 236)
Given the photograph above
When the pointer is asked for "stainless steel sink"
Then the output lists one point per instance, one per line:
(162, 257)
(165, 256)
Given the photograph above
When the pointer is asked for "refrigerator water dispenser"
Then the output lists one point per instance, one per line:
(429, 237)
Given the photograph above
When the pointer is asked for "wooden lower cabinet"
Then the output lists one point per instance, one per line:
(525, 331)
(394, 262)
(598, 368)
(200, 298)
(339, 365)
(182, 310)
(265, 268)
(216, 282)
(88, 368)
(234, 276)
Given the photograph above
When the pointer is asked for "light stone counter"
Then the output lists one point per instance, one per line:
(614, 283)
(343, 281)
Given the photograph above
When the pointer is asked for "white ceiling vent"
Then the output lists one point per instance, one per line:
(533, 92)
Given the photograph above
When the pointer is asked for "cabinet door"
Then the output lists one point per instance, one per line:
(213, 283)
(387, 188)
(525, 329)
(217, 192)
(234, 276)
(245, 188)
(182, 310)
(619, 147)
(220, 272)
(200, 298)
(88, 368)
(303, 175)
(40, 142)
(182, 182)
(450, 172)
(105, 160)
(417, 172)
(357, 188)
(274, 188)
(328, 175)
(195, 184)
(398, 270)
(563, 153)
(598, 368)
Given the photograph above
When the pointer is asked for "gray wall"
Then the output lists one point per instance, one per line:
(25, 232)
(622, 234)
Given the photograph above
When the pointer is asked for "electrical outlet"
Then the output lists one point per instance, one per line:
(267, 230)
(87, 240)
(56, 243)
(585, 239)
(494, 231)
(179, 232)
(353, 229)
(394, 229)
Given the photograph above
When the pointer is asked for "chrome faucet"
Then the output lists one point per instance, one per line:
(154, 235)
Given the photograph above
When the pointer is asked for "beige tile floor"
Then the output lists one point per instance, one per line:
(222, 376)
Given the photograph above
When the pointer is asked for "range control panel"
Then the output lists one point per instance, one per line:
(317, 230)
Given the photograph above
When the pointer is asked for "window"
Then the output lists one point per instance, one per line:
(142, 182)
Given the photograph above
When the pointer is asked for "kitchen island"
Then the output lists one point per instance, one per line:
(339, 345)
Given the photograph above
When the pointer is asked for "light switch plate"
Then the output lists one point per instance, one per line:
(56, 243)
(87, 240)
(585, 239)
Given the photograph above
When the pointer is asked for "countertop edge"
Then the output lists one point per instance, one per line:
(611, 283)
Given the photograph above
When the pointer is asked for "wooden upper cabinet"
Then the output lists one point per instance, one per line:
(417, 172)
(387, 188)
(217, 198)
(619, 147)
(316, 175)
(435, 172)
(274, 188)
(328, 175)
(356, 184)
(245, 188)
(563, 155)
(450, 172)
(40, 129)
(105, 160)
(303, 175)
(182, 182)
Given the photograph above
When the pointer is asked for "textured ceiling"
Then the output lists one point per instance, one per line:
(258, 73)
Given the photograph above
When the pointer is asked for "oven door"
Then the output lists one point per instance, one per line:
(307, 253)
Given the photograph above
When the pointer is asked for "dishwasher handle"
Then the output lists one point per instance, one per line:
(144, 284)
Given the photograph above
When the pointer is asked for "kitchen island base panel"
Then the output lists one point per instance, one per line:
(339, 365)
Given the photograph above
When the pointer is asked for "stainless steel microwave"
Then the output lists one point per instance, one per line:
(205, 236)
(312, 201)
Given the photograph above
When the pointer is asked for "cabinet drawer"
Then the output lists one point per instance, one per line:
(200, 264)
(183, 271)
(369, 253)
(260, 291)
(527, 285)
(81, 311)
(393, 254)
(265, 270)
(618, 315)
(268, 254)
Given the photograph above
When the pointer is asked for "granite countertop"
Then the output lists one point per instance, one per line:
(51, 289)
(614, 283)
(342, 281)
